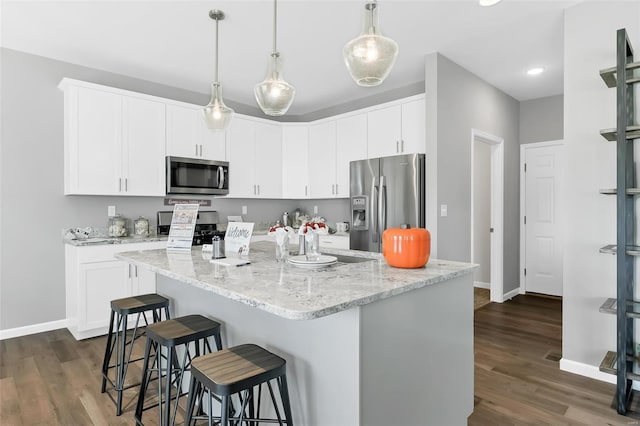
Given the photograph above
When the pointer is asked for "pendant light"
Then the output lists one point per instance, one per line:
(370, 56)
(216, 114)
(274, 95)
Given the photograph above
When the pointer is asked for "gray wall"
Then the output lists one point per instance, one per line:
(590, 218)
(34, 209)
(542, 119)
(466, 102)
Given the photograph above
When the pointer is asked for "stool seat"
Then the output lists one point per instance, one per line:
(232, 370)
(137, 304)
(161, 361)
(237, 370)
(117, 340)
(182, 330)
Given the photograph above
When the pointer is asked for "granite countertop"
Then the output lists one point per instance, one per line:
(293, 292)
(114, 240)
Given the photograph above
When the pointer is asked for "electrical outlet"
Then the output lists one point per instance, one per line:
(244, 209)
(111, 211)
(315, 209)
(443, 210)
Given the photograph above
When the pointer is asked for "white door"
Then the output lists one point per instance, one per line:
(543, 248)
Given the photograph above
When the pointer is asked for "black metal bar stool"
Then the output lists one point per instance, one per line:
(192, 332)
(238, 370)
(117, 342)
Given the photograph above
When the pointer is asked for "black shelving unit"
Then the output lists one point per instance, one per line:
(625, 308)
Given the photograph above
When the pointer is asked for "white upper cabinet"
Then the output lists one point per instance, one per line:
(143, 145)
(242, 158)
(188, 136)
(322, 160)
(268, 149)
(397, 129)
(114, 144)
(255, 159)
(413, 128)
(295, 163)
(351, 144)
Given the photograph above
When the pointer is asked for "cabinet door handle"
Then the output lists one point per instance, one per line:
(305, 190)
(129, 271)
(397, 146)
(401, 145)
(119, 184)
(196, 150)
(135, 270)
(254, 190)
(200, 150)
(258, 189)
(126, 184)
(336, 189)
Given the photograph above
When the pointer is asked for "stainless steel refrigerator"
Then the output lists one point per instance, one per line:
(385, 192)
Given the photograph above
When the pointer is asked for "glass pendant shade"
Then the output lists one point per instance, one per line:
(274, 95)
(370, 56)
(217, 115)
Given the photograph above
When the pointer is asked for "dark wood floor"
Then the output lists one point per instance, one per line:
(518, 345)
(50, 379)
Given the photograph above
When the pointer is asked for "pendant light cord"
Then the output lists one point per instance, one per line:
(275, 26)
(217, 38)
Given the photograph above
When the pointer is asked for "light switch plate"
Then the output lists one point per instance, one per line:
(443, 210)
(244, 209)
(315, 209)
(111, 211)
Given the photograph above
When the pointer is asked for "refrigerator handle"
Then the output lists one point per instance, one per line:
(382, 206)
(373, 209)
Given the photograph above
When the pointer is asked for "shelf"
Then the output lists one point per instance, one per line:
(613, 191)
(610, 306)
(612, 249)
(609, 75)
(608, 365)
(633, 132)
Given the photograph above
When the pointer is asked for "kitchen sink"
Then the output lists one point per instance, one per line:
(351, 259)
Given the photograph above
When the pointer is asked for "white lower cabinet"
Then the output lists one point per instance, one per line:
(94, 277)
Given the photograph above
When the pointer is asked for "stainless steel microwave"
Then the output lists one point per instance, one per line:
(196, 176)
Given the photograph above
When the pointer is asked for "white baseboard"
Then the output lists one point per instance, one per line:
(511, 294)
(586, 370)
(480, 284)
(32, 329)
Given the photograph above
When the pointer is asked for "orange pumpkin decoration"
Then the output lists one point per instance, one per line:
(406, 247)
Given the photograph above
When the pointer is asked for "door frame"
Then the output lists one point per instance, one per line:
(497, 209)
(523, 188)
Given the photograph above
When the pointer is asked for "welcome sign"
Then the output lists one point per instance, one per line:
(237, 238)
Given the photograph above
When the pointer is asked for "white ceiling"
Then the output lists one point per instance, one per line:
(172, 42)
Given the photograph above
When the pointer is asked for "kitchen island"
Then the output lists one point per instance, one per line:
(365, 343)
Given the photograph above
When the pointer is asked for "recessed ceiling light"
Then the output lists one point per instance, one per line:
(535, 71)
(488, 2)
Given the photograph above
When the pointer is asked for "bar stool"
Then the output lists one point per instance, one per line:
(190, 331)
(238, 370)
(117, 339)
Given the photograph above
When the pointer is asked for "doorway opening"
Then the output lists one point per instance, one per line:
(487, 211)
